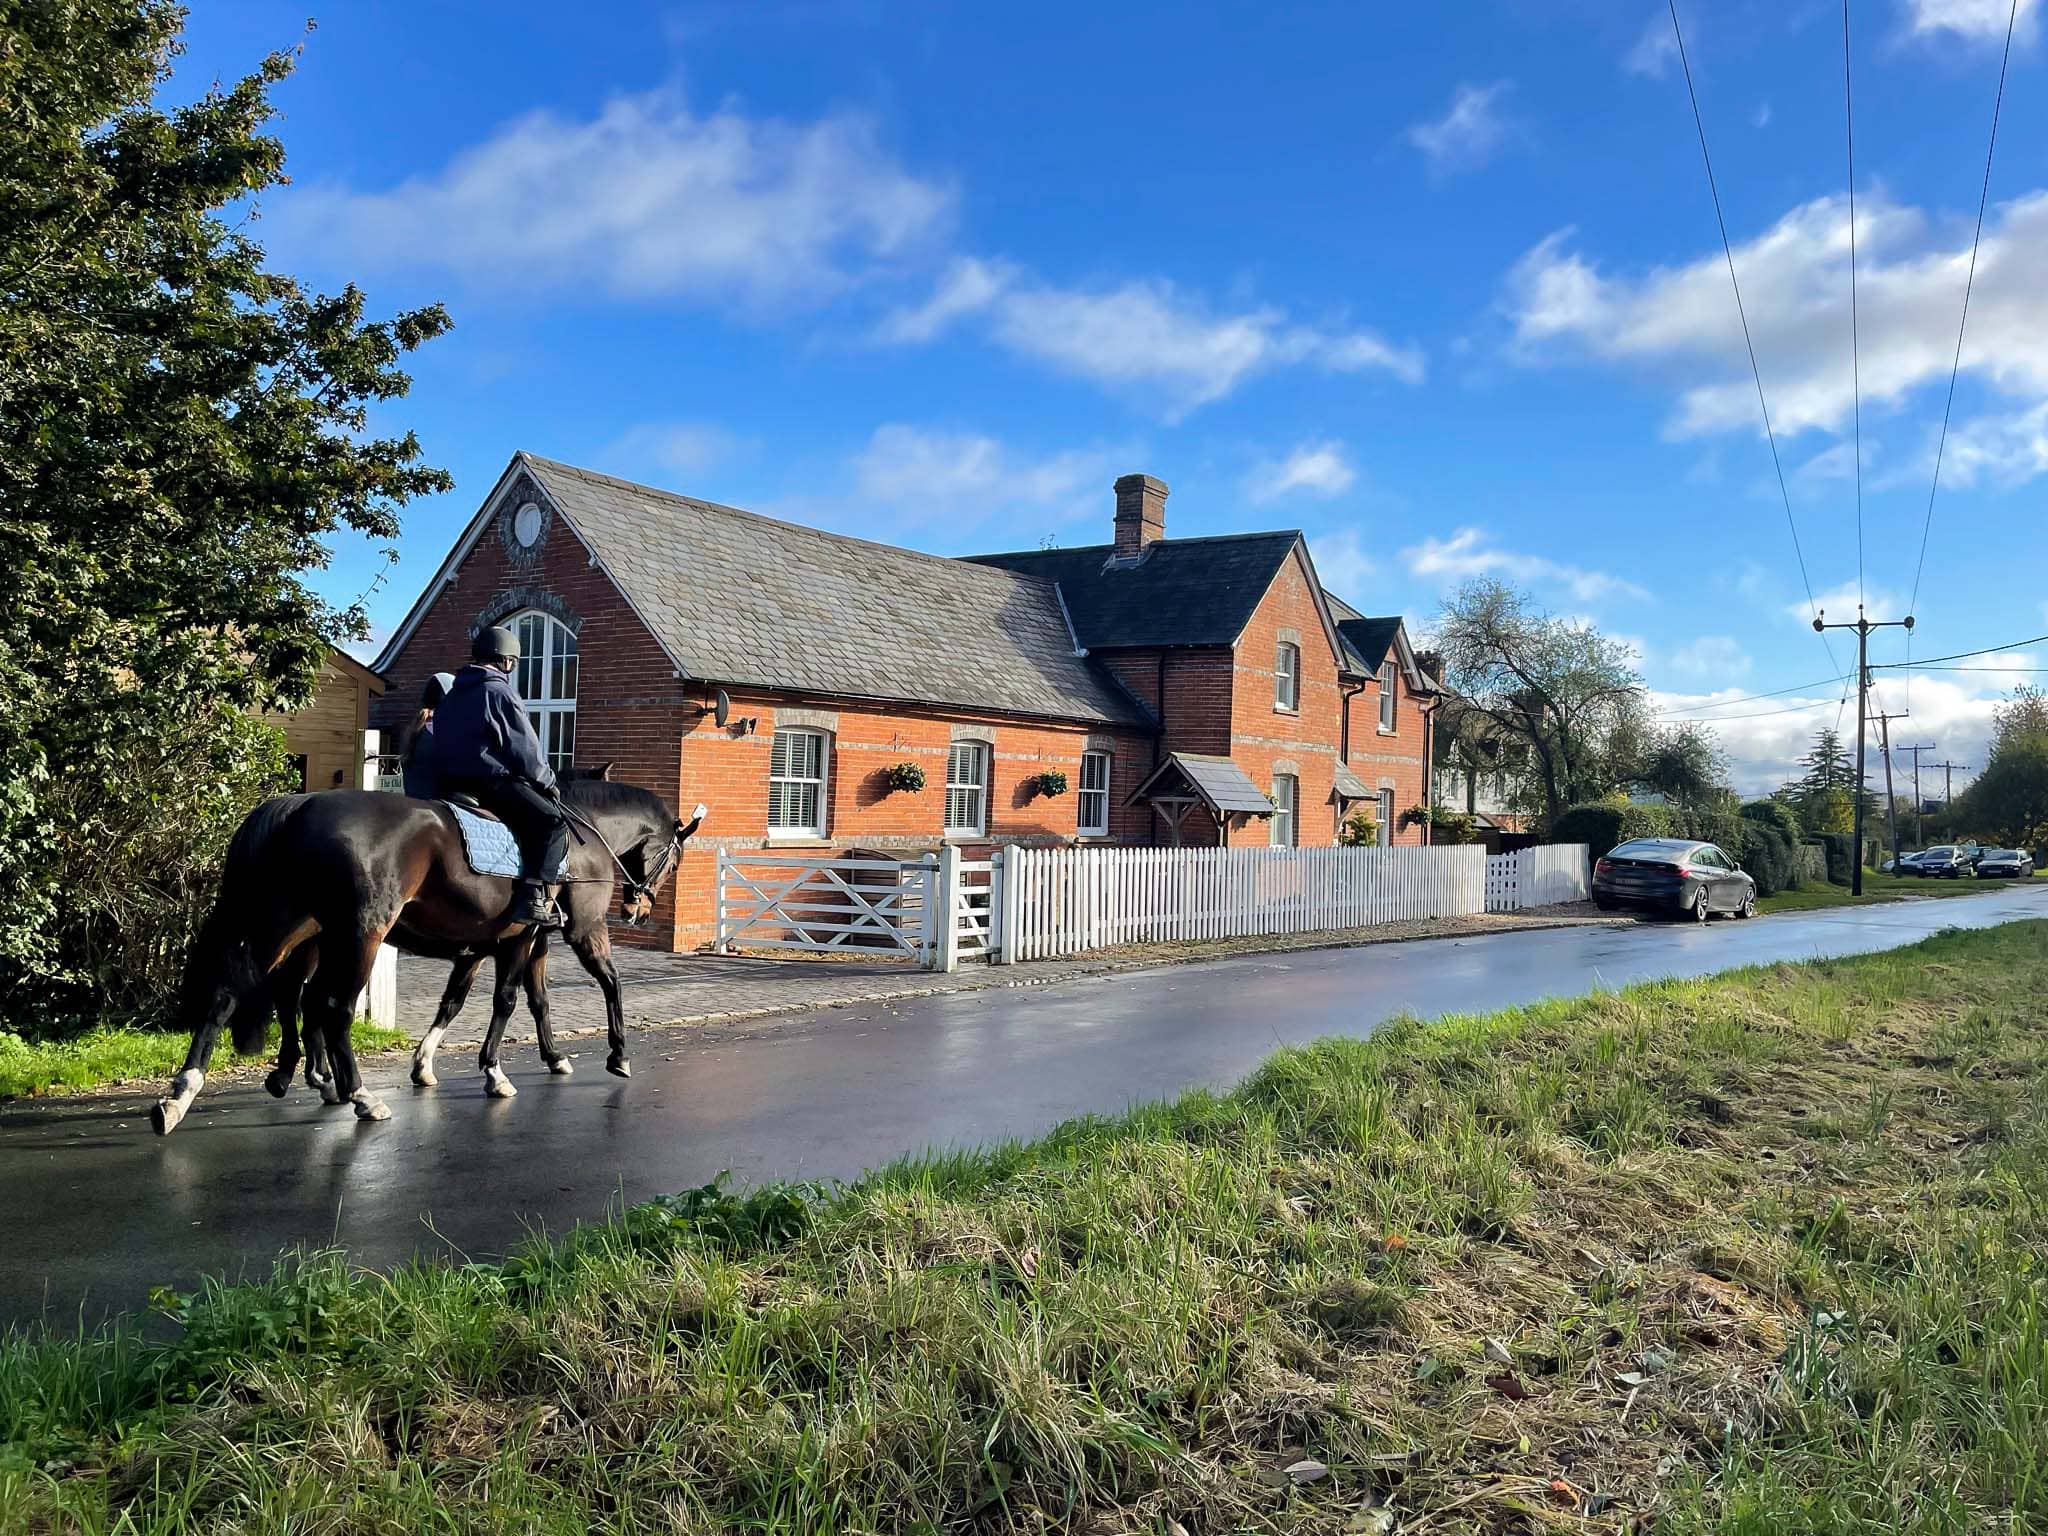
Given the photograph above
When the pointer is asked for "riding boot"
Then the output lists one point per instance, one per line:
(530, 904)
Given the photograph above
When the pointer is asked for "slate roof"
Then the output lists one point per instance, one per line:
(1218, 781)
(738, 598)
(1368, 640)
(1348, 785)
(1183, 592)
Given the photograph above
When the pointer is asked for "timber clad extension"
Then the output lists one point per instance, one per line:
(1181, 688)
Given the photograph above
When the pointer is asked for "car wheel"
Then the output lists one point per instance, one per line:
(1748, 907)
(1603, 904)
(1699, 906)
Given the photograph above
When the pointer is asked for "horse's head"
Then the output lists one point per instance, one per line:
(645, 835)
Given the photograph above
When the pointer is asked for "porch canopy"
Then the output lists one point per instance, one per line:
(1348, 786)
(1186, 780)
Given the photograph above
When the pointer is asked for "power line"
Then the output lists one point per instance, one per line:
(1989, 650)
(1970, 282)
(1765, 714)
(1728, 250)
(1855, 341)
(1984, 669)
(1749, 698)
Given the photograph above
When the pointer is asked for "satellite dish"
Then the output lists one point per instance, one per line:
(722, 709)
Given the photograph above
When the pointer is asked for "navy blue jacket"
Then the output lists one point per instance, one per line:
(481, 732)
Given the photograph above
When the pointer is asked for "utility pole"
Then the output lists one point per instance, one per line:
(1916, 751)
(1891, 801)
(1948, 780)
(1863, 627)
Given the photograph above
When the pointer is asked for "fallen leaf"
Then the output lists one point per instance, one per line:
(1508, 1385)
(1308, 1471)
(1499, 1353)
(1395, 1242)
(1028, 1261)
(1563, 1492)
(1656, 1362)
(1631, 1378)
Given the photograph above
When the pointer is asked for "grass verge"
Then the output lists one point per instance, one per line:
(1876, 887)
(1758, 1253)
(114, 1054)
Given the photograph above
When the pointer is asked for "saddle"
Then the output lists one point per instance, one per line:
(487, 842)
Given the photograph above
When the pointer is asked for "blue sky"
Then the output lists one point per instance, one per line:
(1441, 288)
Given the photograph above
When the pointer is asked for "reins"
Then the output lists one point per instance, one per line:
(634, 887)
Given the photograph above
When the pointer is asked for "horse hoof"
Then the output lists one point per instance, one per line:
(618, 1066)
(368, 1108)
(561, 1067)
(164, 1116)
(275, 1085)
(498, 1085)
(423, 1077)
(318, 1083)
(331, 1095)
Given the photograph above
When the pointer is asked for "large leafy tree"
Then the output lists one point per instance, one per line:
(181, 429)
(2008, 801)
(1567, 698)
(1685, 762)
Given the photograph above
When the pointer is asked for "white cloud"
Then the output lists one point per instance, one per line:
(1974, 21)
(1467, 553)
(1761, 118)
(1711, 656)
(1795, 284)
(932, 475)
(646, 199)
(1314, 469)
(1469, 131)
(1655, 51)
(1144, 336)
(1765, 738)
(2005, 450)
(1342, 565)
(1838, 604)
(680, 447)
(968, 286)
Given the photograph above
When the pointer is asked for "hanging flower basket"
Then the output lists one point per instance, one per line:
(1052, 783)
(904, 776)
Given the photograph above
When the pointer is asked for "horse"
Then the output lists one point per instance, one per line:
(352, 870)
(288, 985)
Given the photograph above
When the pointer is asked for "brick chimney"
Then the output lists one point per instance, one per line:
(1140, 514)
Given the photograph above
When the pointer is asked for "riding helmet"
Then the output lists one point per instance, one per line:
(494, 644)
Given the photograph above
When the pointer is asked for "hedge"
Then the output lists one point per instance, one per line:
(1841, 854)
(1775, 813)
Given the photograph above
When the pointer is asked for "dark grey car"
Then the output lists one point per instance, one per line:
(2006, 864)
(1675, 875)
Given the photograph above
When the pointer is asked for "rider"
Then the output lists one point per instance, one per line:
(422, 781)
(485, 744)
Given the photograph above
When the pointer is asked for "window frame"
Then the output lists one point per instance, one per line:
(552, 714)
(1083, 827)
(1384, 805)
(983, 757)
(820, 826)
(1390, 699)
(1287, 677)
(1286, 813)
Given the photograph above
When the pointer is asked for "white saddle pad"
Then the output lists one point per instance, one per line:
(490, 845)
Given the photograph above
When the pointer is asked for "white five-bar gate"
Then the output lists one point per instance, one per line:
(1040, 903)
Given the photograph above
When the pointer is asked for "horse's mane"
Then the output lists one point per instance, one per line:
(610, 795)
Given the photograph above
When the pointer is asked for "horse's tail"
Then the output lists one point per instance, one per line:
(221, 957)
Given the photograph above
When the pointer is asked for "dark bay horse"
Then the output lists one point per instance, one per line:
(350, 870)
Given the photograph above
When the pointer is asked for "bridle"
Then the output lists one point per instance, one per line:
(635, 889)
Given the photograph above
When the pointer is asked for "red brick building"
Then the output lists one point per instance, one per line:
(1185, 690)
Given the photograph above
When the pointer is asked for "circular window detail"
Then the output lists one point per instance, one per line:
(526, 525)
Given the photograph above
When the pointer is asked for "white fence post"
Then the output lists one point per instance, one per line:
(1006, 906)
(379, 1002)
(947, 912)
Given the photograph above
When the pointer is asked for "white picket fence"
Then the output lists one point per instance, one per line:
(1066, 901)
(1537, 877)
(1044, 903)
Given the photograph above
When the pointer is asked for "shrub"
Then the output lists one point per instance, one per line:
(1361, 830)
(1603, 825)
(1452, 829)
(1767, 855)
(1841, 854)
(1775, 813)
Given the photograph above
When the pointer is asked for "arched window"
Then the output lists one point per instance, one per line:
(546, 683)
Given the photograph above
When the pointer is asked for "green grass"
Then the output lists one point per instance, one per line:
(113, 1054)
(1764, 1253)
(1877, 887)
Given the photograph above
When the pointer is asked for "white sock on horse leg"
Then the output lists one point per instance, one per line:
(423, 1056)
(369, 1106)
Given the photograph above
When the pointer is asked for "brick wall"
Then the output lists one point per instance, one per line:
(1265, 739)
(1394, 760)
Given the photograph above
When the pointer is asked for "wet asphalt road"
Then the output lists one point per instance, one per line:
(94, 1209)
